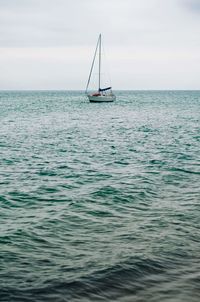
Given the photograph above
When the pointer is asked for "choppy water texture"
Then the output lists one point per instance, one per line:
(100, 202)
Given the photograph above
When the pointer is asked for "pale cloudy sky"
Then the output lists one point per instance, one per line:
(150, 44)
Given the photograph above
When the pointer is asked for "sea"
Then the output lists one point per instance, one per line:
(100, 202)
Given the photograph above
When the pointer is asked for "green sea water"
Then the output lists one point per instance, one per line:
(100, 202)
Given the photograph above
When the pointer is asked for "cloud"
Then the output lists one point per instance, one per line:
(60, 23)
(192, 5)
(141, 37)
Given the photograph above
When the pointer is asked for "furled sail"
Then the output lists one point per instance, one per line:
(104, 89)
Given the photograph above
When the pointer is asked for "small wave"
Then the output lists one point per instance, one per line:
(185, 171)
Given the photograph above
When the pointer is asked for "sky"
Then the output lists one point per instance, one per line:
(149, 44)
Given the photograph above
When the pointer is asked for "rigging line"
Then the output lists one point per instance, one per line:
(92, 65)
(99, 62)
(108, 67)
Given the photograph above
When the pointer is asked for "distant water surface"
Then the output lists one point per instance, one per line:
(100, 202)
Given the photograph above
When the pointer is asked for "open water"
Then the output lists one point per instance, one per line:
(100, 202)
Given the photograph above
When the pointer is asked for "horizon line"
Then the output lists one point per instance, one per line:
(144, 89)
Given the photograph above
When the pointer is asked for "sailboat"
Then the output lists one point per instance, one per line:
(101, 94)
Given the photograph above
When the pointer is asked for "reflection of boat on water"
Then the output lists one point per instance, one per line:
(102, 94)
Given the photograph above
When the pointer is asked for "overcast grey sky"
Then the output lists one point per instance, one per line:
(150, 44)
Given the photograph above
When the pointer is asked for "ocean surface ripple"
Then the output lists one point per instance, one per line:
(100, 202)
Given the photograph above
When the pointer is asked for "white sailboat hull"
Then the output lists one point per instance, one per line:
(101, 98)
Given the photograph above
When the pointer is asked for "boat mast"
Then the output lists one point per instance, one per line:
(99, 62)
